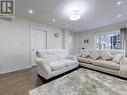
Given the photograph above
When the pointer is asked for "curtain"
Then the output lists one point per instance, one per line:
(123, 34)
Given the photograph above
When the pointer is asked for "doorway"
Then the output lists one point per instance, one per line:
(38, 42)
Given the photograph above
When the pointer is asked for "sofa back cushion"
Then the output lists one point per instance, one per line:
(106, 55)
(117, 58)
(94, 54)
(84, 54)
(109, 55)
(53, 54)
(50, 58)
(60, 56)
(43, 53)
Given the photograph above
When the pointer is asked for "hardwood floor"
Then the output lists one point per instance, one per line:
(19, 82)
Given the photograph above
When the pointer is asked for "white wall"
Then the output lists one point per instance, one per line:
(52, 42)
(77, 42)
(15, 43)
(69, 41)
(91, 35)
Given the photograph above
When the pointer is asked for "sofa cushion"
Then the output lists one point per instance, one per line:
(86, 60)
(117, 58)
(85, 53)
(94, 55)
(106, 64)
(69, 62)
(106, 55)
(57, 65)
(42, 53)
(60, 57)
(51, 58)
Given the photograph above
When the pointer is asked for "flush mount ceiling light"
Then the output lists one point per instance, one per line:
(119, 15)
(67, 25)
(53, 20)
(119, 2)
(75, 15)
(31, 11)
(74, 10)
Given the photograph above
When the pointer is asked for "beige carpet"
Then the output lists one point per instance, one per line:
(83, 82)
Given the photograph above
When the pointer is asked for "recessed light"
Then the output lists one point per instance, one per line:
(119, 2)
(31, 11)
(119, 15)
(67, 25)
(53, 20)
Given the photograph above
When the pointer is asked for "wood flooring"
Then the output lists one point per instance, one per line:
(19, 82)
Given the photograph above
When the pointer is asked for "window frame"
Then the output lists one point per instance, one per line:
(101, 33)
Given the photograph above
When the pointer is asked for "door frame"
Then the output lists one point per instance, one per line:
(35, 28)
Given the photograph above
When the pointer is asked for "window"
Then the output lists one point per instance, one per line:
(108, 40)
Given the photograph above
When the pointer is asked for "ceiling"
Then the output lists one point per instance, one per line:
(94, 13)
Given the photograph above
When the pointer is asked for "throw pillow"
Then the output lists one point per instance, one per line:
(94, 55)
(106, 55)
(117, 58)
(85, 54)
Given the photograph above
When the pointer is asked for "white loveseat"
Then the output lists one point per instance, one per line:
(112, 62)
(52, 62)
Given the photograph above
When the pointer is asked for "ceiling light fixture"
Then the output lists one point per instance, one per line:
(31, 11)
(53, 20)
(119, 15)
(67, 25)
(75, 15)
(76, 9)
(119, 2)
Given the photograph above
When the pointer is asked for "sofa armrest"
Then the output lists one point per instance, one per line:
(72, 58)
(123, 67)
(44, 64)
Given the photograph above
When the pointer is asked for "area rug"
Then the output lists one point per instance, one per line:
(83, 82)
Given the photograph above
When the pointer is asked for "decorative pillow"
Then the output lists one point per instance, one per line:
(85, 54)
(106, 55)
(117, 58)
(94, 55)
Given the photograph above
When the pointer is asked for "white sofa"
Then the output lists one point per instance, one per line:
(112, 62)
(52, 62)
